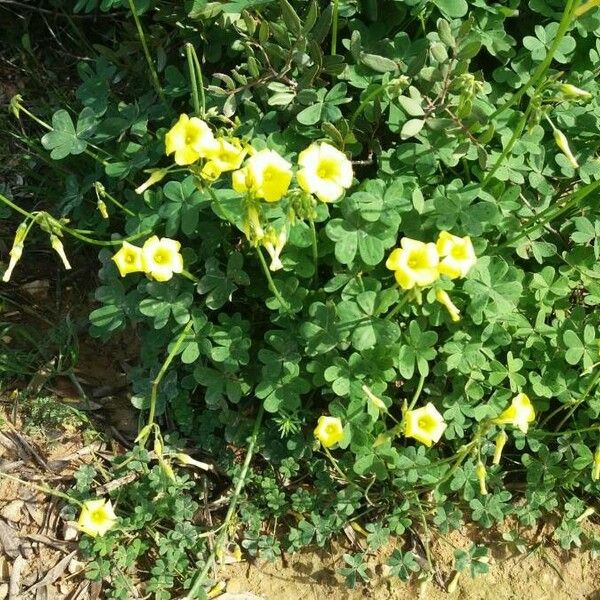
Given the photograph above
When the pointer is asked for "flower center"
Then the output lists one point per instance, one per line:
(327, 169)
(269, 174)
(330, 429)
(416, 260)
(129, 259)
(459, 252)
(98, 517)
(161, 257)
(426, 423)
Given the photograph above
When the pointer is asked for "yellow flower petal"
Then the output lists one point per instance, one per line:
(189, 139)
(161, 258)
(128, 259)
(96, 517)
(415, 263)
(425, 424)
(329, 431)
(458, 255)
(519, 414)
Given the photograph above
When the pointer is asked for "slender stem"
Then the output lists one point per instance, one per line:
(584, 396)
(163, 370)
(89, 240)
(193, 83)
(315, 249)
(200, 82)
(15, 207)
(365, 102)
(401, 302)
(201, 576)
(149, 61)
(42, 488)
(334, 26)
(418, 391)
(270, 281)
(117, 203)
(189, 276)
(567, 17)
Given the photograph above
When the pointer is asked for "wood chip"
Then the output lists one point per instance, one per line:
(54, 573)
(13, 511)
(9, 540)
(3, 590)
(14, 585)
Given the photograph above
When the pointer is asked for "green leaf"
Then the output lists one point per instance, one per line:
(452, 8)
(411, 128)
(64, 139)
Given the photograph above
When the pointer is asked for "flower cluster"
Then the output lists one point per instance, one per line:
(158, 258)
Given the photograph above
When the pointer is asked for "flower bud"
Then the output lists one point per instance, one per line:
(443, 298)
(102, 209)
(155, 177)
(186, 459)
(15, 255)
(481, 475)
(561, 141)
(59, 249)
(500, 442)
(377, 402)
(572, 91)
(596, 465)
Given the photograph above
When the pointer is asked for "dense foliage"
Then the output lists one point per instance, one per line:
(476, 119)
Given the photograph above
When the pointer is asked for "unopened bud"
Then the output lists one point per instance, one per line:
(155, 177)
(573, 91)
(15, 255)
(596, 465)
(453, 583)
(186, 459)
(377, 402)
(443, 298)
(588, 512)
(481, 475)
(561, 141)
(500, 443)
(60, 250)
(210, 172)
(102, 209)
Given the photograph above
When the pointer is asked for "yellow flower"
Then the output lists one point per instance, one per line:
(326, 172)
(414, 263)
(273, 243)
(500, 443)
(210, 171)
(443, 298)
(161, 258)
(520, 413)
(97, 517)
(563, 144)
(458, 255)
(424, 424)
(129, 259)
(189, 139)
(329, 431)
(155, 177)
(266, 174)
(596, 465)
(228, 154)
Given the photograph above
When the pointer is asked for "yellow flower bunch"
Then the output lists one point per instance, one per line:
(329, 431)
(519, 414)
(266, 175)
(158, 258)
(425, 424)
(96, 517)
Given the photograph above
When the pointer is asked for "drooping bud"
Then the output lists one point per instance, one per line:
(500, 443)
(573, 91)
(252, 226)
(273, 243)
(563, 143)
(481, 475)
(102, 209)
(58, 247)
(596, 465)
(186, 459)
(377, 402)
(155, 177)
(15, 255)
(443, 298)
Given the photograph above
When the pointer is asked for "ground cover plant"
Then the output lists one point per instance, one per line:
(357, 245)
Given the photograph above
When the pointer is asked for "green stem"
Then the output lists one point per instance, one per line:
(189, 276)
(270, 281)
(315, 250)
(418, 391)
(584, 396)
(567, 17)
(94, 242)
(334, 26)
(15, 207)
(193, 82)
(163, 370)
(42, 488)
(401, 302)
(105, 194)
(149, 61)
(365, 102)
(198, 579)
